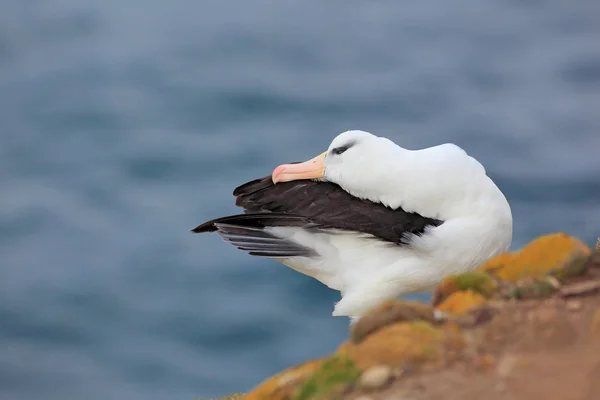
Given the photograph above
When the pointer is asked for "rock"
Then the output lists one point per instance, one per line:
(574, 305)
(389, 313)
(580, 288)
(552, 281)
(375, 377)
(459, 303)
(547, 254)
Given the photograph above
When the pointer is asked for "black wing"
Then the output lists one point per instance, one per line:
(319, 205)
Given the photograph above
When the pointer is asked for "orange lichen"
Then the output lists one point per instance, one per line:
(389, 313)
(459, 303)
(282, 385)
(542, 256)
(448, 286)
(412, 342)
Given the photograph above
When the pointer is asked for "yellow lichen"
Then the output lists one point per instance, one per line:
(459, 303)
(540, 257)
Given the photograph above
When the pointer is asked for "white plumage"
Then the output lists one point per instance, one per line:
(440, 183)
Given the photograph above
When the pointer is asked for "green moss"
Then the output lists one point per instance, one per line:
(335, 371)
(575, 266)
(476, 281)
(537, 288)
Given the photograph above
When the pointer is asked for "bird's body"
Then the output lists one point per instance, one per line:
(371, 219)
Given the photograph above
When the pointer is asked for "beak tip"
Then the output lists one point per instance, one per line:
(276, 172)
(311, 169)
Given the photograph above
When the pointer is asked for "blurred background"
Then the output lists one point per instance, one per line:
(123, 124)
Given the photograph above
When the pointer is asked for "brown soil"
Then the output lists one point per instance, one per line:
(547, 349)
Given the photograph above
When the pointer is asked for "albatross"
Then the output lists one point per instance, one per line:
(371, 219)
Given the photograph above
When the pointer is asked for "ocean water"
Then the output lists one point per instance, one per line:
(123, 124)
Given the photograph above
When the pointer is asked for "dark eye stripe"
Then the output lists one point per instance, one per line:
(341, 149)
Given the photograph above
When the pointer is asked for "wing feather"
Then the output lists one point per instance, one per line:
(328, 205)
(248, 232)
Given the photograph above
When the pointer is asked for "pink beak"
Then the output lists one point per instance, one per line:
(311, 169)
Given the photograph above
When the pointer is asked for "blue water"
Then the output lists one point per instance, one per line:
(123, 124)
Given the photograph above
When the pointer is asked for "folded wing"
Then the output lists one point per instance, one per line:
(309, 206)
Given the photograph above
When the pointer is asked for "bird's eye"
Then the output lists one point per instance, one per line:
(340, 150)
